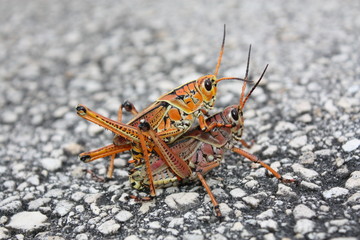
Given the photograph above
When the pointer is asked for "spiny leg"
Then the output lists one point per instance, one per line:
(147, 160)
(256, 160)
(211, 195)
(103, 152)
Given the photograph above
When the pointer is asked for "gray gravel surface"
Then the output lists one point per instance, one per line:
(304, 117)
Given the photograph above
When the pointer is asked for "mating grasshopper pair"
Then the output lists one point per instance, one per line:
(163, 148)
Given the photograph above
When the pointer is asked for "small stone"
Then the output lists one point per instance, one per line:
(354, 181)
(81, 236)
(304, 226)
(253, 202)
(4, 233)
(238, 226)
(132, 237)
(182, 200)
(298, 141)
(94, 130)
(324, 152)
(271, 150)
(225, 209)
(330, 107)
(238, 193)
(265, 215)
(154, 225)
(285, 191)
(3, 219)
(188, 236)
(284, 126)
(339, 222)
(63, 207)
(355, 198)
(269, 236)
(73, 148)
(335, 192)
(310, 185)
(306, 118)
(176, 222)
(302, 211)
(35, 204)
(77, 196)
(270, 224)
(91, 198)
(28, 221)
(55, 193)
(351, 145)
(9, 117)
(218, 236)
(34, 180)
(51, 164)
(60, 111)
(123, 216)
(304, 172)
(303, 106)
(10, 204)
(109, 227)
(307, 158)
(145, 206)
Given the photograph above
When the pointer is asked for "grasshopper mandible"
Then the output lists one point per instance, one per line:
(170, 116)
(202, 151)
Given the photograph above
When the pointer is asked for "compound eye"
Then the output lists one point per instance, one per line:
(235, 114)
(208, 84)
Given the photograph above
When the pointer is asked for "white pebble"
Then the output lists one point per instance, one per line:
(28, 221)
(9, 117)
(109, 227)
(132, 237)
(51, 164)
(63, 207)
(304, 172)
(238, 226)
(285, 191)
(155, 225)
(304, 226)
(335, 192)
(351, 145)
(265, 215)
(225, 209)
(182, 200)
(254, 202)
(123, 216)
(354, 181)
(283, 126)
(269, 224)
(302, 211)
(73, 148)
(176, 222)
(298, 142)
(303, 106)
(238, 193)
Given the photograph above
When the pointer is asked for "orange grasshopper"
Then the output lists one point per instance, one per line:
(201, 151)
(170, 116)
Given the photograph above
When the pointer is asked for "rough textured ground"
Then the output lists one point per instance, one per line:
(304, 117)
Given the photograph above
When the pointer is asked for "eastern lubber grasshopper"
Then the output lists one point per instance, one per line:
(201, 151)
(170, 116)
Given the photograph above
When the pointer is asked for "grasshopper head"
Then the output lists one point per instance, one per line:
(207, 88)
(234, 116)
